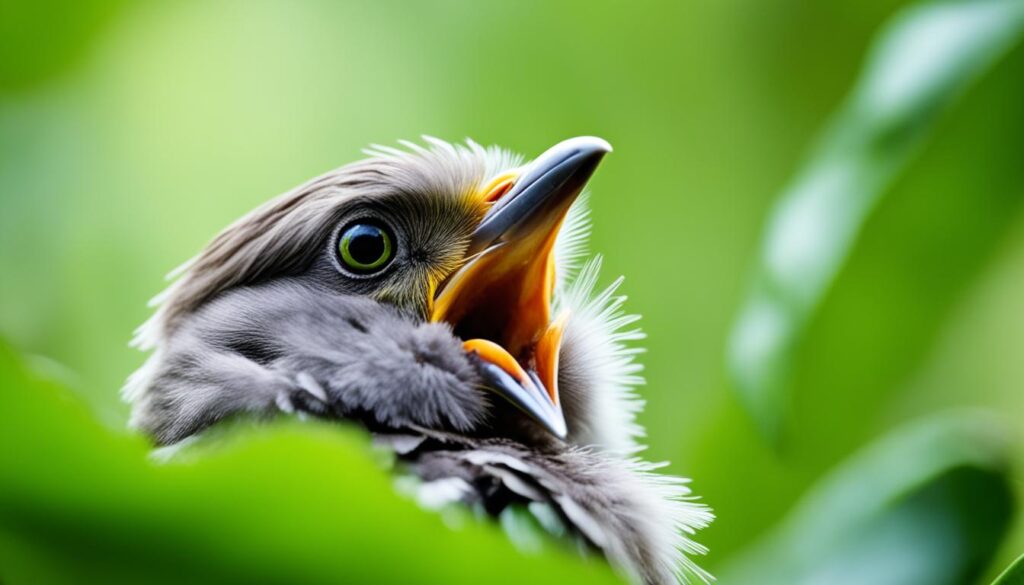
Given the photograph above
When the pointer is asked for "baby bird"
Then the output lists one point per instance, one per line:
(438, 295)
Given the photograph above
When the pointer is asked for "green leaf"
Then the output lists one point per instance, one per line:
(1013, 575)
(921, 62)
(290, 503)
(927, 505)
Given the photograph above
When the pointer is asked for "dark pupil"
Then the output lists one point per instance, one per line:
(366, 244)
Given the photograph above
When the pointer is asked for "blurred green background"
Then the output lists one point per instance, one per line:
(130, 133)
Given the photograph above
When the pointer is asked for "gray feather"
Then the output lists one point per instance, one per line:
(616, 505)
(241, 351)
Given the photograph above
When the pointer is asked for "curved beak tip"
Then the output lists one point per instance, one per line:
(525, 395)
(544, 190)
(593, 143)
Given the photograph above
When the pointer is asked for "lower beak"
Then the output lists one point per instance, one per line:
(499, 301)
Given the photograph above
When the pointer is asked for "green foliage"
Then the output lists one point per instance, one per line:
(1013, 575)
(289, 503)
(924, 59)
(928, 505)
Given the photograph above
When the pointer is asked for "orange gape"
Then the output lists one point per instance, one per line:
(495, 354)
(502, 298)
(546, 355)
(498, 187)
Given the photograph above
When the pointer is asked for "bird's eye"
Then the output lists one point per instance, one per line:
(365, 247)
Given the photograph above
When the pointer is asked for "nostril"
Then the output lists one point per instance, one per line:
(420, 256)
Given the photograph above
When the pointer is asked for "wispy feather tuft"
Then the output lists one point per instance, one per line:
(573, 238)
(600, 335)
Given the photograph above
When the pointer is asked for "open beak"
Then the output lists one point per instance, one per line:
(499, 301)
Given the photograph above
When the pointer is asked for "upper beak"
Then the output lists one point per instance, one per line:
(540, 197)
(499, 301)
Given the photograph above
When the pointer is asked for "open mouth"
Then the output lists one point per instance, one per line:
(499, 301)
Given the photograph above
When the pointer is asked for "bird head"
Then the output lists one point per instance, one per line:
(448, 233)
